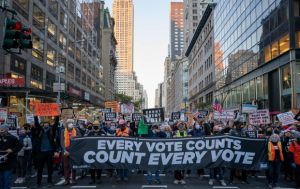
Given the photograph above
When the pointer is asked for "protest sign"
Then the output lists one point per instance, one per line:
(105, 110)
(110, 116)
(136, 116)
(252, 134)
(3, 114)
(46, 109)
(249, 108)
(127, 108)
(202, 114)
(260, 117)
(154, 115)
(167, 154)
(286, 118)
(12, 122)
(67, 113)
(175, 116)
(30, 118)
(224, 115)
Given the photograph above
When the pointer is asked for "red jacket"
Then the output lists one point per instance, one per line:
(295, 149)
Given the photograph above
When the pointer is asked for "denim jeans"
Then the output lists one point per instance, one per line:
(5, 179)
(273, 171)
(150, 178)
(217, 171)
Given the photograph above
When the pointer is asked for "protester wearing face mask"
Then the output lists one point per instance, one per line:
(22, 156)
(110, 129)
(286, 142)
(82, 129)
(180, 133)
(44, 146)
(9, 147)
(68, 133)
(295, 159)
(275, 157)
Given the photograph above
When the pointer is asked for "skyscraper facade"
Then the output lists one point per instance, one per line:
(176, 29)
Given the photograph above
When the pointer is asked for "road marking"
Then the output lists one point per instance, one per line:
(154, 186)
(261, 177)
(226, 187)
(60, 182)
(83, 187)
(18, 187)
(153, 174)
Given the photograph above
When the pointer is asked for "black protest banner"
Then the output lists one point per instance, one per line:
(12, 122)
(110, 116)
(202, 114)
(136, 116)
(154, 115)
(252, 134)
(167, 154)
(175, 116)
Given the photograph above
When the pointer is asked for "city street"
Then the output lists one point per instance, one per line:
(139, 182)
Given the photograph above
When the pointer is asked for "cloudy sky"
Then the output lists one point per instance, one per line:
(151, 39)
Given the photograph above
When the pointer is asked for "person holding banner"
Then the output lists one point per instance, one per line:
(45, 146)
(67, 134)
(122, 131)
(110, 129)
(9, 147)
(180, 133)
(275, 157)
(295, 159)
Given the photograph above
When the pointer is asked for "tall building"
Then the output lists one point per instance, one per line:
(193, 12)
(158, 95)
(257, 53)
(57, 26)
(176, 30)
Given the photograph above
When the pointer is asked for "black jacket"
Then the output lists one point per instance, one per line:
(9, 142)
(37, 135)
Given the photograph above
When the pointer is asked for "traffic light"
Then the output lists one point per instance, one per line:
(25, 38)
(12, 34)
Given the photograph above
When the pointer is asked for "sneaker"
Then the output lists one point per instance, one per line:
(183, 182)
(176, 181)
(34, 175)
(211, 182)
(223, 183)
(187, 175)
(157, 181)
(17, 181)
(50, 184)
(22, 180)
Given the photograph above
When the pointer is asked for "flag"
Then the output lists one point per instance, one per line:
(217, 106)
(195, 114)
(142, 127)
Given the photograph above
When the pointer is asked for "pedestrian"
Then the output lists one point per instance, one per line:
(28, 153)
(9, 147)
(96, 132)
(68, 133)
(122, 131)
(110, 129)
(180, 133)
(45, 147)
(275, 157)
(287, 140)
(295, 159)
(22, 156)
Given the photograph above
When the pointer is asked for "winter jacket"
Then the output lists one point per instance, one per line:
(27, 145)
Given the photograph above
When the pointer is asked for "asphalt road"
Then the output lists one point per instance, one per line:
(138, 181)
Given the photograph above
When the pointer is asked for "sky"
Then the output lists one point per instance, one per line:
(151, 39)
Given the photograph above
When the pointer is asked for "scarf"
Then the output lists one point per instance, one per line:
(67, 136)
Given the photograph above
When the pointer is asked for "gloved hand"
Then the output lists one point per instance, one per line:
(293, 165)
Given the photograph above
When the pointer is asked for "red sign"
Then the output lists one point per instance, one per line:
(12, 82)
(74, 91)
(47, 109)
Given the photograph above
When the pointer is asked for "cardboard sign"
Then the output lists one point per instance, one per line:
(202, 114)
(47, 109)
(67, 113)
(260, 117)
(30, 118)
(136, 116)
(286, 118)
(252, 134)
(224, 115)
(3, 114)
(154, 115)
(81, 121)
(248, 108)
(12, 122)
(127, 108)
(110, 116)
(175, 116)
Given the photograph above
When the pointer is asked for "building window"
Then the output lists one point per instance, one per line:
(52, 32)
(38, 18)
(18, 65)
(37, 47)
(21, 6)
(275, 49)
(286, 77)
(36, 84)
(36, 73)
(267, 53)
(63, 18)
(72, 29)
(62, 41)
(78, 74)
(70, 72)
(51, 56)
(284, 44)
(50, 79)
(298, 39)
(53, 7)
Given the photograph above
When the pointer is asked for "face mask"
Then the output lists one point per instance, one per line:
(197, 126)
(189, 130)
(70, 125)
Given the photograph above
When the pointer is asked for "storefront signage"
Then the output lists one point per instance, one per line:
(73, 91)
(12, 82)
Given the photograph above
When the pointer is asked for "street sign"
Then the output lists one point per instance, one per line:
(56, 87)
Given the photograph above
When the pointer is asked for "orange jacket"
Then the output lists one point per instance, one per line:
(295, 149)
(271, 151)
(124, 133)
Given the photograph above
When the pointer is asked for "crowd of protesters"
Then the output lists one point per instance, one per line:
(43, 145)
